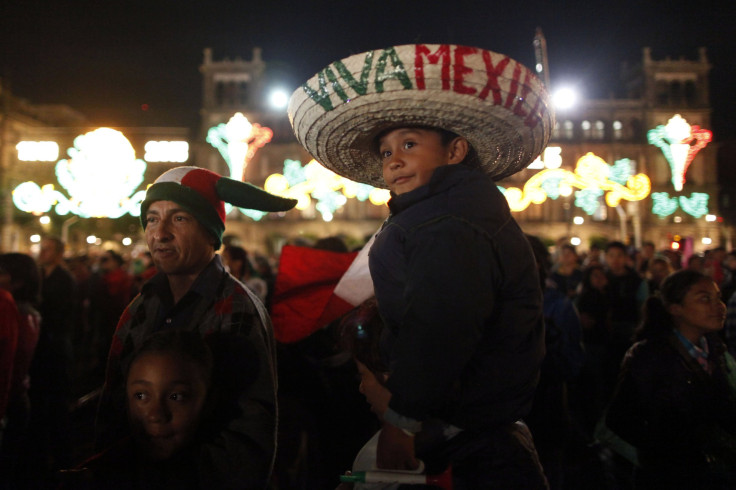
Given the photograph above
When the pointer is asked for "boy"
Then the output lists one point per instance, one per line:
(455, 278)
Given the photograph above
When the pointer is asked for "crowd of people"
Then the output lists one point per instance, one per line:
(67, 309)
(484, 360)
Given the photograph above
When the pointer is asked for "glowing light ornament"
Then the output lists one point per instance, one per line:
(237, 141)
(679, 142)
(314, 182)
(592, 175)
(696, 205)
(101, 176)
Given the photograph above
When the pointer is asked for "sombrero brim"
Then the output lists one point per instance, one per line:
(493, 101)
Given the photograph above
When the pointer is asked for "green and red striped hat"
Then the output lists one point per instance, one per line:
(203, 194)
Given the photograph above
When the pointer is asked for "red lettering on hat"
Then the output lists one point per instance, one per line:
(493, 72)
(532, 121)
(442, 54)
(513, 87)
(461, 69)
(525, 89)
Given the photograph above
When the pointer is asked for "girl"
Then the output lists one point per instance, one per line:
(167, 390)
(676, 396)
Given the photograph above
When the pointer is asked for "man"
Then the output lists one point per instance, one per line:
(183, 216)
(50, 391)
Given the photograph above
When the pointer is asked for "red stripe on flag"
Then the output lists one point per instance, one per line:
(303, 299)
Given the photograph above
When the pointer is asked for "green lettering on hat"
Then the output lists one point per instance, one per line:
(361, 88)
(398, 72)
(320, 95)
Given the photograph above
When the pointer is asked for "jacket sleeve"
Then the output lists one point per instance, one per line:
(239, 450)
(448, 295)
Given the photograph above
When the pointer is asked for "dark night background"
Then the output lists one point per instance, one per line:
(107, 59)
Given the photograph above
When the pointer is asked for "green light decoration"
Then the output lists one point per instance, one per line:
(592, 175)
(237, 141)
(101, 177)
(679, 142)
(696, 205)
(314, 182)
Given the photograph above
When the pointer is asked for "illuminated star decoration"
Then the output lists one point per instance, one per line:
(314, 182)
(237, 141)
(593, 176)
(100, 176)
(679, 142)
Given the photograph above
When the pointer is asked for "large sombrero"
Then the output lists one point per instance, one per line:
(493, 101)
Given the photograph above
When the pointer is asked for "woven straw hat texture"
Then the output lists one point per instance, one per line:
(493, 101)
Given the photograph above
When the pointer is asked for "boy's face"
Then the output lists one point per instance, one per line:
(165, 396)
(410, 156)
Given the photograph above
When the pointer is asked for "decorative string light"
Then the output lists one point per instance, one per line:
(101, 176)
(592, 175)
(679, 142)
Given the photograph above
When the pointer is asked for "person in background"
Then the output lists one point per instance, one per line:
(51, 390)
(238, 264)
(550, 418)
(644, 257)
(20, 277)
(566, 274)
(627, 292)
(676, 395)
(108, 301)
(658, 269)
(593, 388)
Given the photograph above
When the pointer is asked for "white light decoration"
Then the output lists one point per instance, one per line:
(710, 217)
(166, 151)
(575, 241)
(578, 220)
(91, 239)
(706, 240)
(100, 176)
(44, 220)
(35, 238)
(564, 98)
(127, 241)
(278, 99)
(37, 151)
(550, 158)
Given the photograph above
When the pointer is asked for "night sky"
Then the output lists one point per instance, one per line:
(106, 59)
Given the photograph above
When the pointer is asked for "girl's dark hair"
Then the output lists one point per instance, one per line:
(174, 341)
(588, 273)
(360, 333)
(657, 320)
(23, 271)
(239, 253)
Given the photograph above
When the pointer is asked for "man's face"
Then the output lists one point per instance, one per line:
(410, 156)
(178, 243)
(616, 260)
(48, 254)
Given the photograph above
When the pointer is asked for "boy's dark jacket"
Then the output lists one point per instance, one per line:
(457, 286)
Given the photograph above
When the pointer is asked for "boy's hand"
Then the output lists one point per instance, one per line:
(376, 394)
(395, 450)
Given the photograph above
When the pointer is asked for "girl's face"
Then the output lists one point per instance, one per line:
(701, 310)
(165, 394)
(598, 279)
